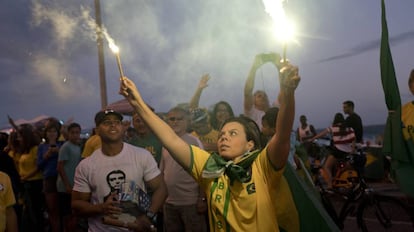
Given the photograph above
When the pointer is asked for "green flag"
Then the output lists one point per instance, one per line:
(394, 145)
(312, 214)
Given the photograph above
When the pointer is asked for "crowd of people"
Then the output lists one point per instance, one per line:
(41, 170)
(201, 170)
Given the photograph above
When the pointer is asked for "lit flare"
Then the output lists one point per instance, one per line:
(284, 28)
(115, 50)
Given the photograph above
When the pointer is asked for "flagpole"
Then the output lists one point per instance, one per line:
(101, 60)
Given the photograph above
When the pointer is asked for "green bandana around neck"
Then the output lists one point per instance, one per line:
(217, 166)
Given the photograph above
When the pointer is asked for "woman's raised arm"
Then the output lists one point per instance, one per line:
(279, 145)
(179, 149)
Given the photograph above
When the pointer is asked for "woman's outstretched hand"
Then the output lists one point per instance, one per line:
(129, 91)
(289, 77)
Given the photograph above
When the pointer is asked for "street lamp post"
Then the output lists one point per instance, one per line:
(99, 42)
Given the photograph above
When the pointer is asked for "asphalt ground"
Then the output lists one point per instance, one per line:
(400, 223)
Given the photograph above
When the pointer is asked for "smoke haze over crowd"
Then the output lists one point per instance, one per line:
(49, 63)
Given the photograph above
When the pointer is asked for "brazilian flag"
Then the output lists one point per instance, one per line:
(312, 215)
(402, 162)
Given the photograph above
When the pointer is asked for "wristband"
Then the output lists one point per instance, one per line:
(151, 216)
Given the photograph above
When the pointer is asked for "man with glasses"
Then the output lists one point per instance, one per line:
(91, 187)
(185, 206)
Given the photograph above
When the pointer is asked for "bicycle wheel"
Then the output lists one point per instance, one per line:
(384, 213)
(330, 209)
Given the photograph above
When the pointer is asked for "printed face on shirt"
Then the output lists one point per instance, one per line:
(232, 141)
(115, 179)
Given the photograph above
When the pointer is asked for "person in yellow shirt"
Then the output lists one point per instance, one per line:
(93, 143)
(8, 218)
(200, 123)
(241, 180)
(32, 179)
(12, 148)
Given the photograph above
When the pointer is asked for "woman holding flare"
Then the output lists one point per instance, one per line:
(242, 182)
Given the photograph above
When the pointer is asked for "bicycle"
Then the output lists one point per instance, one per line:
(345, 176)
(369, 206)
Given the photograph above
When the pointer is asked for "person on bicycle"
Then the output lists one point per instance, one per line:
(342, 144)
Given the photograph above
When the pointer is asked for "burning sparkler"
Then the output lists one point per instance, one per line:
(101, 31)
(284, 28)
(115, 50)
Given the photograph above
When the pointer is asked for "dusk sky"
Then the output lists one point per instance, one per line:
(49, 59)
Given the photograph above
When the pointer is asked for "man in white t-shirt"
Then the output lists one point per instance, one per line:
(99, 176)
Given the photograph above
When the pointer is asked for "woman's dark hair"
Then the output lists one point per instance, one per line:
(213, 119)
(251, 129)
(52, 125)
(339, 120)
(28, 136)
(14, 142)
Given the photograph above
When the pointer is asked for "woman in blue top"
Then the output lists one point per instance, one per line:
(47, 157)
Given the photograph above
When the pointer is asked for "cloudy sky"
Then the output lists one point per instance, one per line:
(49, 62)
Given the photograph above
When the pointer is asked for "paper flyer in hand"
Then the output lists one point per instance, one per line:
(134, 201)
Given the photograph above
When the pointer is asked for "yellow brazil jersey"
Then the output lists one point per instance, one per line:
(407, 117)
(263, 204)
(6, 198)
(28, 163)
(210, 138)
(16, 157)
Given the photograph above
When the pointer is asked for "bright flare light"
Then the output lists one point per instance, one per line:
(115, 50)
(285, 31)
(284, 28)
(113, 47)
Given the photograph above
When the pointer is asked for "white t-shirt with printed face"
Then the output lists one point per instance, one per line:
(100, 175)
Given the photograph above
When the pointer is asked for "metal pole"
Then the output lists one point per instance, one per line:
(100, 43)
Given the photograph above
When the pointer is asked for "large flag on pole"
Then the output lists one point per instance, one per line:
(312, 214)
(402, 163)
